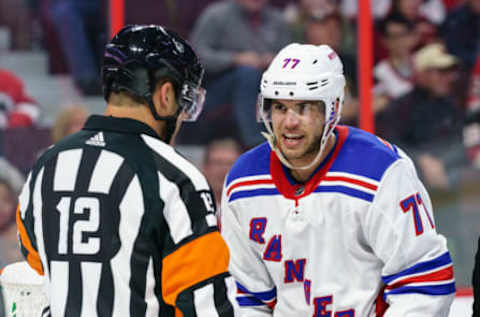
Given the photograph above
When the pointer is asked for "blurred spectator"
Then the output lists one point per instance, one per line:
(411, 9)
(394, 74)
(427, 122)
(9, 249)
(327, 29)
(461, 32)
(433, 10)
(69, 121)
(81, 32)
(220, 154)
(425, 27)
(236, 40)
(473, 101)
(298, 13)
(12, 174)
(17, 109)
(16, 15)
(380, 8)
(7, 205)
(178, 15)
(471, 132)
(452, 4)
(21, 146)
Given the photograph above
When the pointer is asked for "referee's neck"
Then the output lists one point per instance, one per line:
(137, 112)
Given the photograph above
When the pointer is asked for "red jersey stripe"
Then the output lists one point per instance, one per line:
(442, 275)
(350, 180)
(247, 183)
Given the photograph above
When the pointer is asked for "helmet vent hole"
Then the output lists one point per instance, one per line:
(276, 93)
(315, 61)
(291, 93)
(324, 82)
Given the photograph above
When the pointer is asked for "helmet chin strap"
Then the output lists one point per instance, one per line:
(272, 141)
(170, 121)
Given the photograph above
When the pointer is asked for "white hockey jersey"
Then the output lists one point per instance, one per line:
(358, 239)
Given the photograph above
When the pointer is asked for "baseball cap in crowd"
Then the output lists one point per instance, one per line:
(433, 56)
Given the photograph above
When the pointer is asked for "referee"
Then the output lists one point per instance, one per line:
(117, 220)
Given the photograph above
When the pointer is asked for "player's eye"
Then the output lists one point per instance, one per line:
(303, 108)
(278, 107)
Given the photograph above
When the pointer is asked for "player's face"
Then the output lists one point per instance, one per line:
(298, 126)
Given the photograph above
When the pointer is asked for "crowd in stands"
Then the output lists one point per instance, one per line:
(426, 74)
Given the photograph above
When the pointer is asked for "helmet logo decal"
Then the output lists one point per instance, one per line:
(287, 61)
(332, 55)
(284, 83)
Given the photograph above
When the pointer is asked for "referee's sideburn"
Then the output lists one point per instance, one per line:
(119, 222)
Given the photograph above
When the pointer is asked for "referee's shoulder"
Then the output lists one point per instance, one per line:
(172, 162)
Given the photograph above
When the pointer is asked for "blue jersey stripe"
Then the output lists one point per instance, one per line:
(325, 189)
(264, 296)
(371, 157)
(442, 260)
(442, 289)
(253, 193)
(345, 190)
(249, 301)
(252, 163)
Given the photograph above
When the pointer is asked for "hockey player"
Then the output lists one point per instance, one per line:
(327, 220)
(117, 220)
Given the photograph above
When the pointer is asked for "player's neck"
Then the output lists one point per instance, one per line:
(303, 175)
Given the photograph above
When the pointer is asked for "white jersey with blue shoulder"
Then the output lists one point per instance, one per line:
(357, 239)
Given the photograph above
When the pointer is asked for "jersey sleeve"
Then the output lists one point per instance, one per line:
(195, 279)
(255, 291)
(418, 272)
(25, 227)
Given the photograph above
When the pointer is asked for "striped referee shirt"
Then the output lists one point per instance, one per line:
(122, 225)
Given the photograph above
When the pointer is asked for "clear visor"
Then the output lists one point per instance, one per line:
(192, 101)
(304, 108)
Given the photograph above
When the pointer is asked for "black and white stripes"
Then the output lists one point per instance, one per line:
(103, 219)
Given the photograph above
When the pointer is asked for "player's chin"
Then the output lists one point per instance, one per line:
(293, 154)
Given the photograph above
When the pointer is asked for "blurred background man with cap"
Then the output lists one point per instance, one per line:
(428, 120)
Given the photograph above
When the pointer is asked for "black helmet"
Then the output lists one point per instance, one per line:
(140, 55)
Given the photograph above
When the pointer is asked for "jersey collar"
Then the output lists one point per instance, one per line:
(114, 124)
(287, 186)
